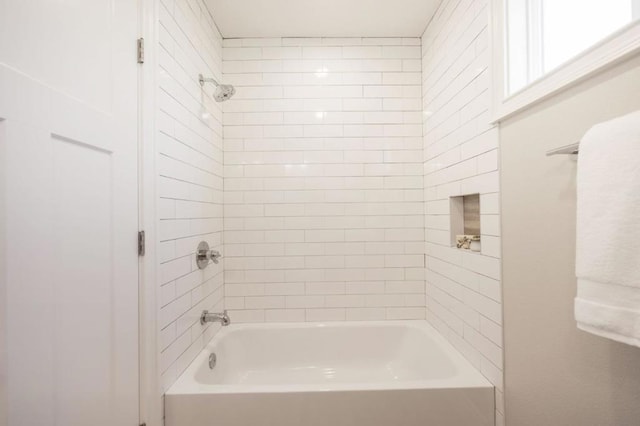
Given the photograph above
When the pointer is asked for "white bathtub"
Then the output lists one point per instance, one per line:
(337, 374)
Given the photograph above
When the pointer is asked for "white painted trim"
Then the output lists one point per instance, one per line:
(4, 373)
(535, 36)
(151, 411)
(497, 49)
(608, 52)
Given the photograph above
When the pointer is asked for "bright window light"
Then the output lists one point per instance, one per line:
(544, 34)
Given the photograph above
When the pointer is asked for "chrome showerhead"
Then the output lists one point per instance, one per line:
(222, 92)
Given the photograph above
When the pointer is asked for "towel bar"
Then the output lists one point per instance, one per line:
(572, 149)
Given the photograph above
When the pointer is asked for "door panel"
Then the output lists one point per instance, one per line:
(68, 115)
(61, 43)
(81, 204)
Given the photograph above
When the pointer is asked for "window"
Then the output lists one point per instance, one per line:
(539, 43)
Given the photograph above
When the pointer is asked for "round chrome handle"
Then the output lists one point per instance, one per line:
(204, 255)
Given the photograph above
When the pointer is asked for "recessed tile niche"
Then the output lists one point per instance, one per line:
(465, 216)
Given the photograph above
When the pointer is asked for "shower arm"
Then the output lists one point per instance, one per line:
(204, 80)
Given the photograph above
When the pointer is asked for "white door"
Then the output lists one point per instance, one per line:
(68, 213)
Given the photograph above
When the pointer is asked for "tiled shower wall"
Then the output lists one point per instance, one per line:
(323, 211)
(461, 157)
(190, 181)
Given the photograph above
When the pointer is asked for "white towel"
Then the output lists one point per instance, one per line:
(608, 231)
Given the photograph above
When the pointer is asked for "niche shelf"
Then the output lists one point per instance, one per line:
(465, 220)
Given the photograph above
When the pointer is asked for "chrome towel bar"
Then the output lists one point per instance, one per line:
(572, 149)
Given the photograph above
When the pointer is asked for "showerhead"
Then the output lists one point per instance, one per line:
(222, 92)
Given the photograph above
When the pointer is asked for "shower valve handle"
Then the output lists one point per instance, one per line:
(204, 255)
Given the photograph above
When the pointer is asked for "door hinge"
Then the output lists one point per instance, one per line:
(143, 424)
(140, 42)
(141, 243)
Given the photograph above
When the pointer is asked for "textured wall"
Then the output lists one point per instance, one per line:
(190, 181)
(460, 158)
(323, 179)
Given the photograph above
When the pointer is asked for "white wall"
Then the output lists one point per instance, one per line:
(323, 179)
(189, 163)
(331, 174)
(557, 374)
(461, 157)
(4, 353)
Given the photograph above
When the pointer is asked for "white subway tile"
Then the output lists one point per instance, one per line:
(336, 314)
(409, 313)
(304, 301)
(284, 315)
(365, 314)
(404, 52)
(321, 169)
(341, 41)
(461, 153)
(362, 52)
(238, 53)
(317, 52)
(281, 52)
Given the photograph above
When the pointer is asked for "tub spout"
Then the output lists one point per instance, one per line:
(222, 318)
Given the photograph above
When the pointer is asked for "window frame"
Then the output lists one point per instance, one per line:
(617, 47)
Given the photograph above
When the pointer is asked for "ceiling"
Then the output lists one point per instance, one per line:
(322, 18)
